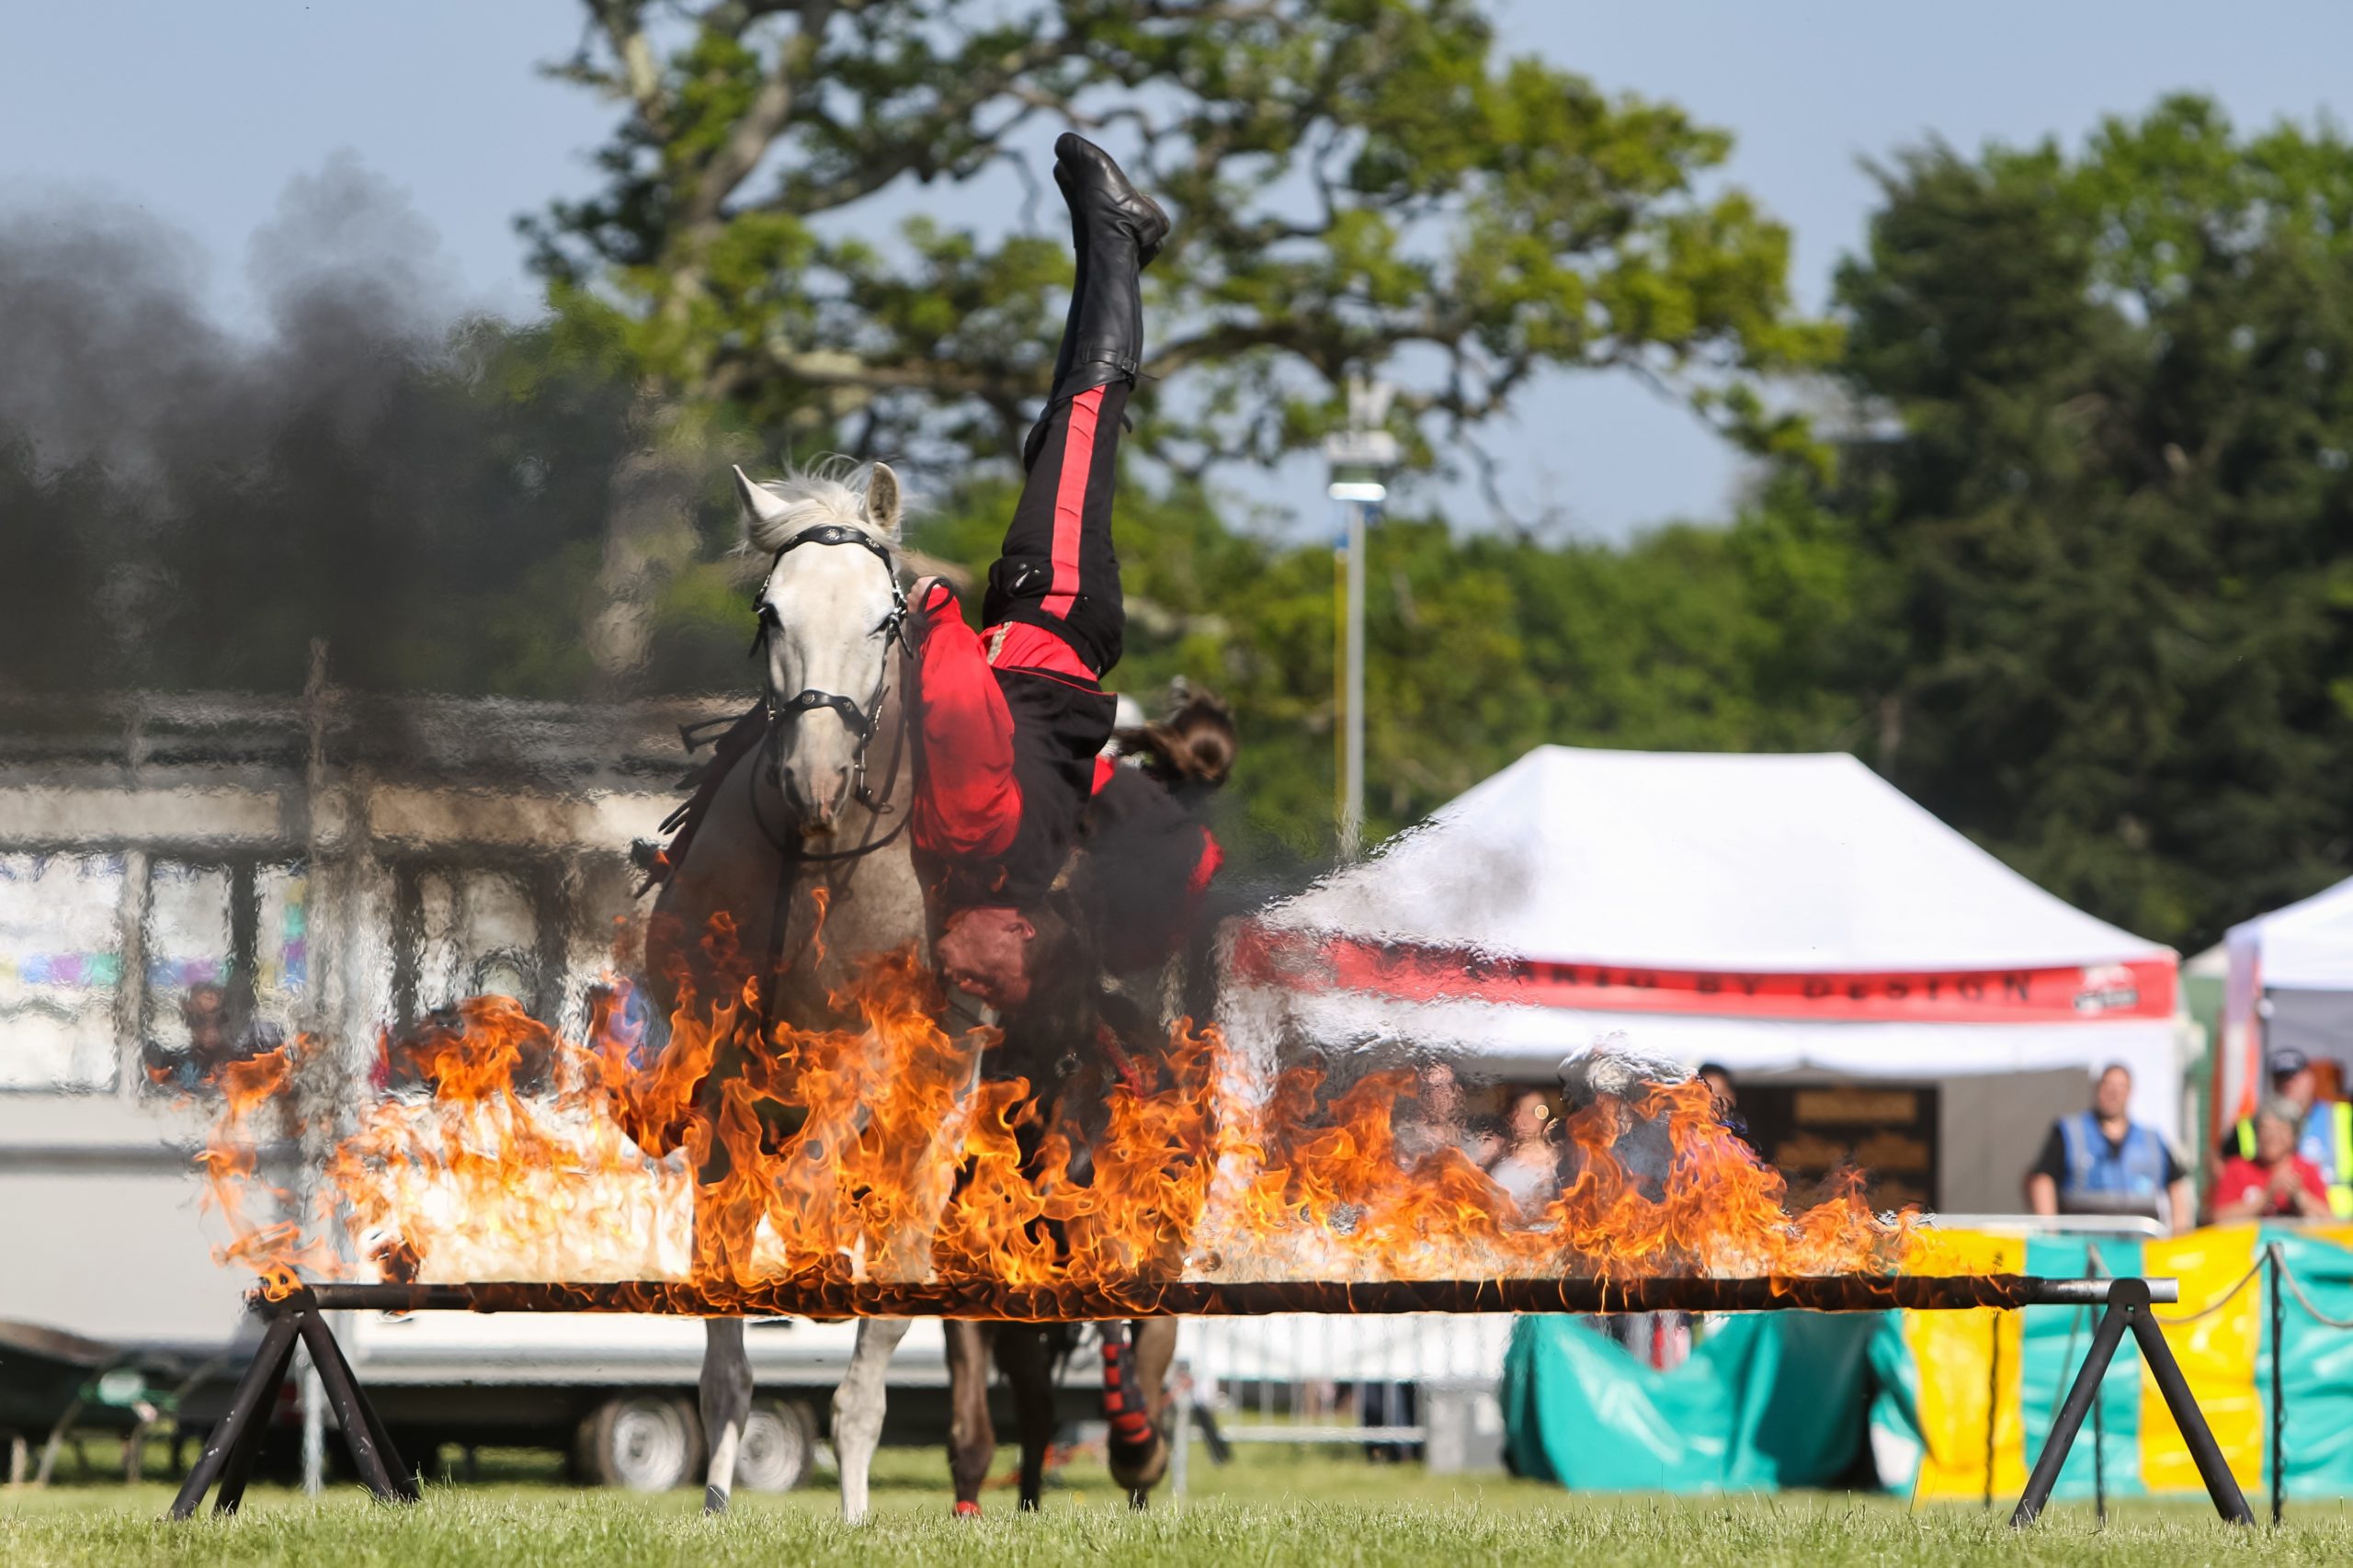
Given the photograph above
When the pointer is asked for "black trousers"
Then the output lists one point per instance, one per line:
(1056, 568)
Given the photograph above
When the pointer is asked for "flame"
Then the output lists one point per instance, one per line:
(880, 1152)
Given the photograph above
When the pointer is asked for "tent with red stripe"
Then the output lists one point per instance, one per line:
(1789, 914)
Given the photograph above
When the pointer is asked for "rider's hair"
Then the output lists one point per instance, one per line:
(1065, 976)
(1194, 745)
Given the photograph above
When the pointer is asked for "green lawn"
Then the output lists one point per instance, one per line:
(1269, 1506)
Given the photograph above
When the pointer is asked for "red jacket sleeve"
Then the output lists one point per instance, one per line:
(969, 803)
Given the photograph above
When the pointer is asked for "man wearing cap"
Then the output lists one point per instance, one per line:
(2326, 1128)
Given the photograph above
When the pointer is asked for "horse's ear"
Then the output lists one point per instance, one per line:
(759, 506)
(882, 499)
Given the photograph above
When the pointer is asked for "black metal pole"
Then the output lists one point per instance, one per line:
(2279, 1400)
(1993, 1408)
(246, 1413)
(2100, 1445)
(2096, 1267)
(2221, 1486)
(2081, 1395)
(404, 1479)
(377, 1465)
(989, 1300)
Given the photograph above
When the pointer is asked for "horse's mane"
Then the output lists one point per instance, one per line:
(829, 490)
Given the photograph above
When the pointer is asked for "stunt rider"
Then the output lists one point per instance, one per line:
(1014, 719)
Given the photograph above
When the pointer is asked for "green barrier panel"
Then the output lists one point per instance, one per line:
(2056, 1339)
(1767, 1400)
(2316, 1368)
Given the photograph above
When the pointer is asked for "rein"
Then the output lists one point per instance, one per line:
(862, 719)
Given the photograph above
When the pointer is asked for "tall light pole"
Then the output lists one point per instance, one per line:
(1360, 458)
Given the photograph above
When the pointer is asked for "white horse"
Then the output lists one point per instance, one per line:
(810, 792)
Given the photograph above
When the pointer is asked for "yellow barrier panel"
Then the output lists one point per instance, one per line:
(1954, 1353)
(2217, 1354)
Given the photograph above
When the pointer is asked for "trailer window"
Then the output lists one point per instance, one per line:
(61, 965)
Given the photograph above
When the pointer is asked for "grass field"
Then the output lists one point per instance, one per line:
(1267, 1508)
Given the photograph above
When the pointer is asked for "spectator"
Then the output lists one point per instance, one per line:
(1441, 1123)
(1530, 1167)
(219, 1031)
(2326, 1128)
(2278, 1180)
(1718, 1077)
(2101, 1162)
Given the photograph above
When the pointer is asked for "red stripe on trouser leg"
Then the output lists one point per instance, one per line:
(1070, 500)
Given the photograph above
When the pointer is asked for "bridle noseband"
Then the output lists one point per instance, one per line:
(861, 719)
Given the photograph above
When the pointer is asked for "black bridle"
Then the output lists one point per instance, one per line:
(862, 719)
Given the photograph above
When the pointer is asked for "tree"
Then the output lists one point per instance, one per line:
(2113, 504)
(1362, 186)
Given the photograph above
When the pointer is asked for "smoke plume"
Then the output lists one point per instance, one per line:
(184, 506)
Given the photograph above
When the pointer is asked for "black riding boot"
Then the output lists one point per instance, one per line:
(1116, 231)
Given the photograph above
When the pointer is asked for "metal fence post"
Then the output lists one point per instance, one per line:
(1179, 1458)
(1993, 1405)
(2278, 1402)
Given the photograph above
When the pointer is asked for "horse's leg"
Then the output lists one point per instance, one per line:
(857, 1409)
(726, 1406)
(1151, 1346)
(1026, 1355)
(971, 1440)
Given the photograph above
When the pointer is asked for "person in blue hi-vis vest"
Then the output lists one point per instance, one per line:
(2324, 1135)
(2102, 1162)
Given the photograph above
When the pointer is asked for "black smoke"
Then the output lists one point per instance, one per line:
(185, 505)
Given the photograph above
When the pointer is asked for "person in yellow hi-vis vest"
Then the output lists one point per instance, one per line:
(2326, 1135)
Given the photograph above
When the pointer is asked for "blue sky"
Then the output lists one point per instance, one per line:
(201, 114)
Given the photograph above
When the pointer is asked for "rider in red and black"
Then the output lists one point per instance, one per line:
(1014, 719)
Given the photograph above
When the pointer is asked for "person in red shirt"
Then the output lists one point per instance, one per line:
(1014, 718)
(2277, 1181)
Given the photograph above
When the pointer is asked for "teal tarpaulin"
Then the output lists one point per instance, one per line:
(1767, 1400)
(2315, 1367)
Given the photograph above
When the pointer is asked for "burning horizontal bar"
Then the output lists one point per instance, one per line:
(1201, 1297)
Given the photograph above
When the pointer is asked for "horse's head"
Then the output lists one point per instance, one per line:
(830, 610)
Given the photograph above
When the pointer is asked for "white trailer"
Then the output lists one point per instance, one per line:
(340, 863)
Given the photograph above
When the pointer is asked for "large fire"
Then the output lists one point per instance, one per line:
(880, 1154)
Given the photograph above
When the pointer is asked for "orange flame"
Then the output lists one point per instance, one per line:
(877, 1153)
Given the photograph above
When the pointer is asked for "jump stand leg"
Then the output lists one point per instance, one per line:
(229, 1452)
(227, 1455)
(2128, 1309)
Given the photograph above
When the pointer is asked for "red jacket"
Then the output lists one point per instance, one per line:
(1013, 725)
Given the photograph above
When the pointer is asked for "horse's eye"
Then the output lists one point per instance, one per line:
(766, 613)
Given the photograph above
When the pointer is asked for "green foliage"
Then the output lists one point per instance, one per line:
(1361, 186)
(2113, 506)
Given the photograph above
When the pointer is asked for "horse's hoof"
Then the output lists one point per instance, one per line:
(967, 1510)
(714, 1501)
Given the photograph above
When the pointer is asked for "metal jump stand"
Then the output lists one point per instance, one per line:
(2128, 1309)
(229, 1453)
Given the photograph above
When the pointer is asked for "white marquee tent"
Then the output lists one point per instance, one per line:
(2289, 983)
(1767, 912)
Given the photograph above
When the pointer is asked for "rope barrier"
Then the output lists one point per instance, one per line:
(2295, 1288)
(2216, 1305)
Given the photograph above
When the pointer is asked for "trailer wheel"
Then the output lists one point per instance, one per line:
(646, 1442)
(779, 1445)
